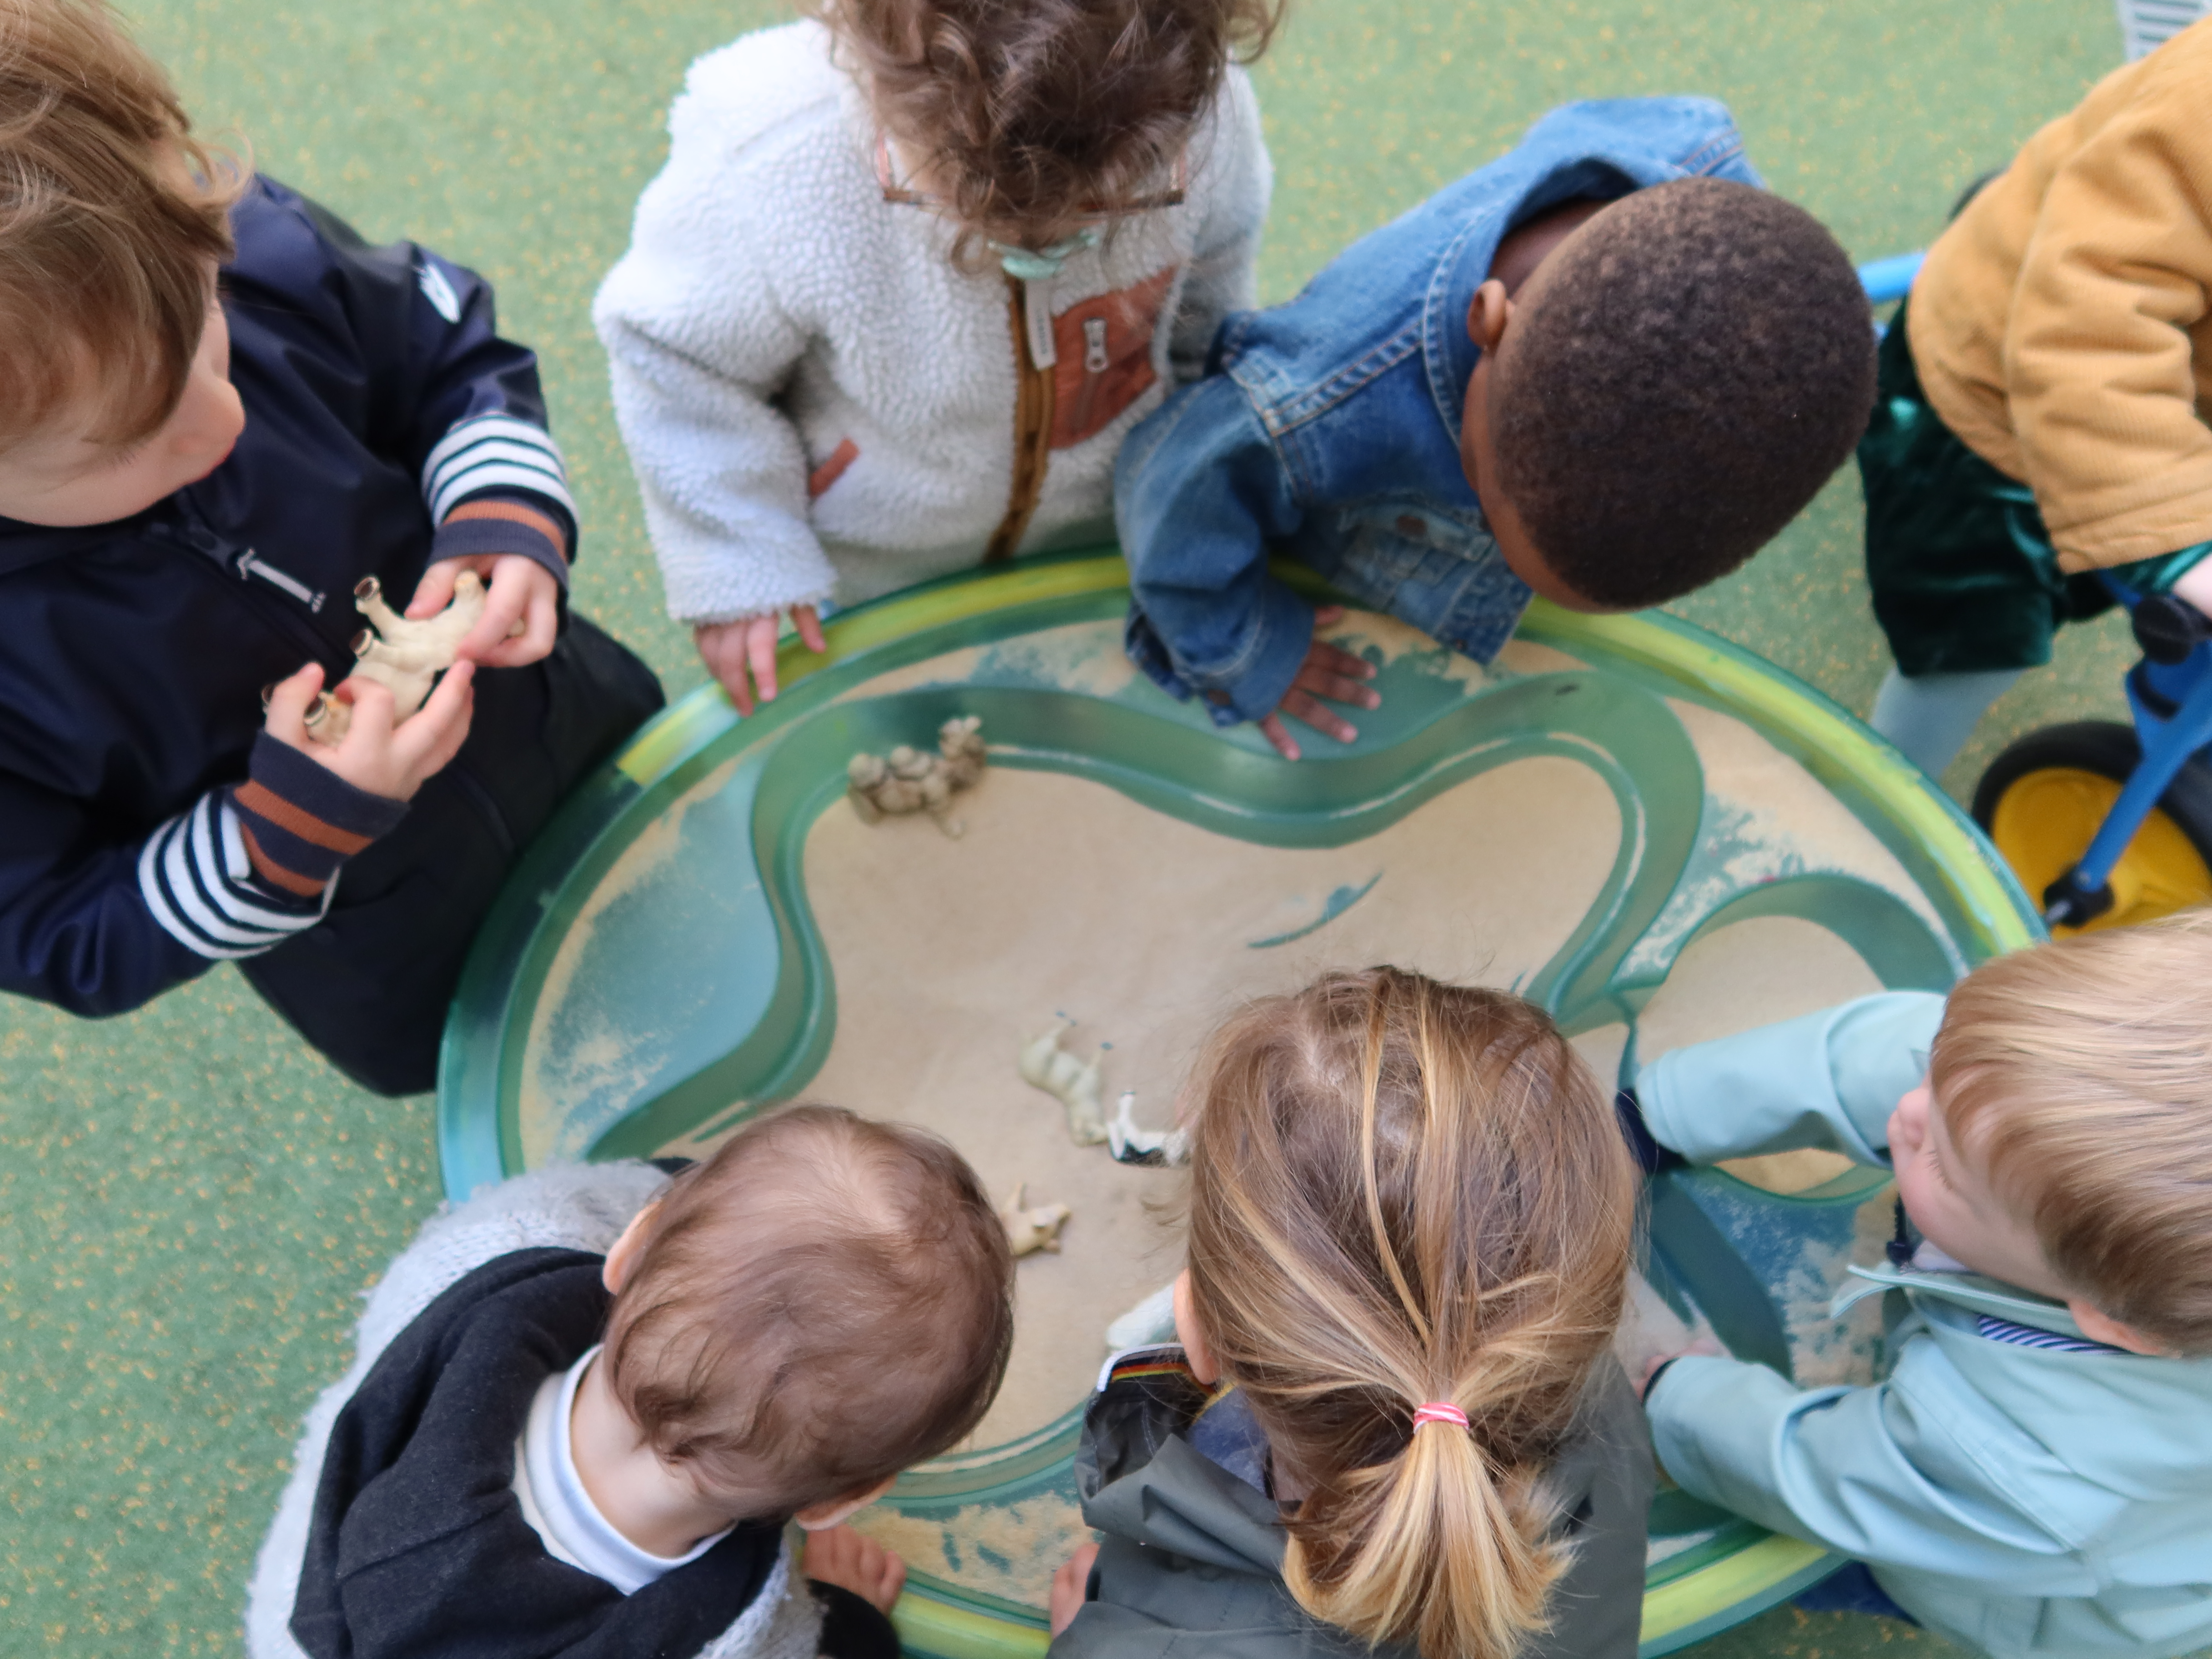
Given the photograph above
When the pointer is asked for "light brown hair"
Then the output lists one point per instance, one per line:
(2080, 1072)
(826, 1301)
(113, 217)
(1404, 1192)
(1041, 115)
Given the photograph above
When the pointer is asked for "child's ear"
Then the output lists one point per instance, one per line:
(1487, 315)
(623, 1254)
(835, 1512)
(2101, 1327)
(1196, 1350)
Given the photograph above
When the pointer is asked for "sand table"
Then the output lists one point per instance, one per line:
(1066, 904)
(1068, 900)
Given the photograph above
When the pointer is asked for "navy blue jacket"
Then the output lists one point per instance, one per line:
(378, 397)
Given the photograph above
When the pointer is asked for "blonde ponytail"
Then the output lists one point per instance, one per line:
(1402, 1193)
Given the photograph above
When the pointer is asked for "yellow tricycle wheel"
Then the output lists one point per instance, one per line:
(2043, 800)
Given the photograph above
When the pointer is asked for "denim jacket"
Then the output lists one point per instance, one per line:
(2025, 1499)
(1329, 428)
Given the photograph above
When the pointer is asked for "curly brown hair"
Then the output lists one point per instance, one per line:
(1702, 361)
(1038, 116)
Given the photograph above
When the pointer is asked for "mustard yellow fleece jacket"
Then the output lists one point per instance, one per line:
(2061, 325)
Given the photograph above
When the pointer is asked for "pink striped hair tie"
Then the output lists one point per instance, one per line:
(1438, 1411)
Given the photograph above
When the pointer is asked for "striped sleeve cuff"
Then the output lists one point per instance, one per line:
(300, 821)
(503, 523)
(198, 878)
(494, 451)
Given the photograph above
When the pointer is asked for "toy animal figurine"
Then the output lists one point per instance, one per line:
(406, 657)
(1073, 1083)
(907, 781)
(1033, 1230)
(1131, 1145)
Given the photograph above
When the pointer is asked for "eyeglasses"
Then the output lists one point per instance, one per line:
(903, 195)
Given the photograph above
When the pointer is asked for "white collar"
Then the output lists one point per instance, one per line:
(562, 1512)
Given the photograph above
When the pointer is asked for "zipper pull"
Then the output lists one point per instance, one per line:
(1037, 314)
(251, 564)
(1094, 345)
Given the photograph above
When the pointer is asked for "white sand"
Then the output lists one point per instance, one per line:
(1065, 897)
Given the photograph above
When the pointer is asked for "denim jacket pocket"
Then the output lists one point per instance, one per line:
(1435, 567)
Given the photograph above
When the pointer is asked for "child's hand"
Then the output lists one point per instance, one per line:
(841, 1556)
(2195, 585)
(1705, 1346)
(1069, 1586)
(730, 648)
(1651, 1333)
(516, 589)
(378, 756)
(1328, 672)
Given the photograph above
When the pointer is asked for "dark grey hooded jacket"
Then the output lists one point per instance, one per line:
(1191, 1562)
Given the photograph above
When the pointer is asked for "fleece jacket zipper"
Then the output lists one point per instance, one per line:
(1030, 311)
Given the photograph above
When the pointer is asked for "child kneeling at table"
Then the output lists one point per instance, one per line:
(2033, 1475)
(586, 1403)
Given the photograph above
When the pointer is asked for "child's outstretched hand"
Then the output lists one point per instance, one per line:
(1329, 671)
(517, 589)
(1651, 1333)
(378, 756)
(1069, 1585)
(732, 649)
(841, 1556)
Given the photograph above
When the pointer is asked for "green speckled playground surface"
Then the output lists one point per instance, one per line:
(190, 1202)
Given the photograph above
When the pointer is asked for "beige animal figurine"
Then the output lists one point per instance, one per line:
(406, 657)
(1073, 1083)
(1032, 1229)
(907, 781)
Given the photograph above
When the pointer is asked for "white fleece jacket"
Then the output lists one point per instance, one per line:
(817, 402)
(576, 1207)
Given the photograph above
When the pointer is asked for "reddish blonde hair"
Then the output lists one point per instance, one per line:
(2081, 1071)
(1040, 115)
(826, 1299)
(1404, 1192)
(113, 221)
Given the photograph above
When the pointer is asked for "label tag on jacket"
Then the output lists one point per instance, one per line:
(1036, 318)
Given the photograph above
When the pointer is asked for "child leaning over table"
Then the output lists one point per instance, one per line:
(913, 270)
(2044, 400)
(586, 1404)
(1605, 369)
(1394, 1428)
(220, 409)
(2033, 1476)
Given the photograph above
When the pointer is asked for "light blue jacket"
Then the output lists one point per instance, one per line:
(2016, 1499)
(1327, 430)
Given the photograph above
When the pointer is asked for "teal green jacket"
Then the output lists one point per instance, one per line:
(2019, 1500)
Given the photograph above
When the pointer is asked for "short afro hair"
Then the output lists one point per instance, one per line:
(1702, 360)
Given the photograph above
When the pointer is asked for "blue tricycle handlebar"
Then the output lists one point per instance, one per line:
(1884, 280)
